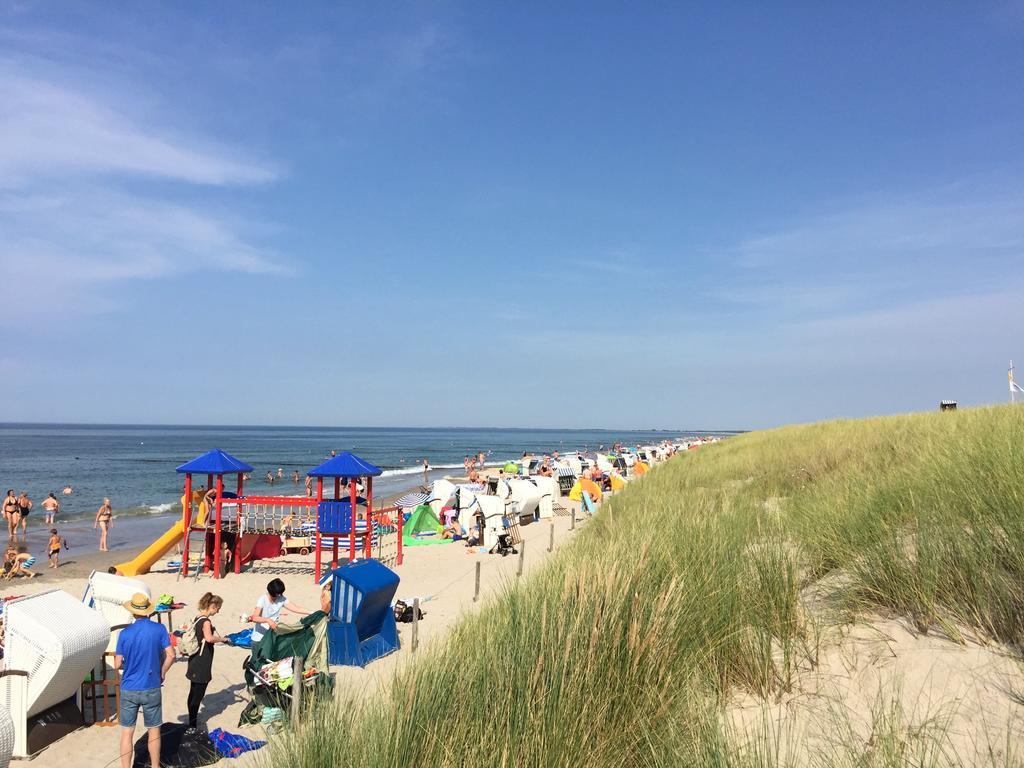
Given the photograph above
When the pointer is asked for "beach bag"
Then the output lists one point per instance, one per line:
(405, 612)
(188, 643)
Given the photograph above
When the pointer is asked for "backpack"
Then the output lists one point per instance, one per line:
(188, 643)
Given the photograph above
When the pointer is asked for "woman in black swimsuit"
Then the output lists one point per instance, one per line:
(200, 665)
(10, 510)
(24, 507)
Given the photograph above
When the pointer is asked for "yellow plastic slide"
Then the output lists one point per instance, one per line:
(153, 552)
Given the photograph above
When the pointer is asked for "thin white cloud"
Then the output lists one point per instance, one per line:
(52, 129)
(890, 253)
(89, 238)
(900, 229)
(72, 232)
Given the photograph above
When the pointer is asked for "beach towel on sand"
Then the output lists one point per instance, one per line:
(233, 744)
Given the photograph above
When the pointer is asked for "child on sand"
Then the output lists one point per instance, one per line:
(23, 561)
(53, 549)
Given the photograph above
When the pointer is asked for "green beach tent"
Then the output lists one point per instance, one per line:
(422, 528)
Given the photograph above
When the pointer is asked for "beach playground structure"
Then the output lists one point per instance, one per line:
(228, 529)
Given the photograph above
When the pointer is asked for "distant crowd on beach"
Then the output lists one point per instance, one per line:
(17, 508)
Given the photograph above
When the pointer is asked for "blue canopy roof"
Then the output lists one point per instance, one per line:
(345, 464)
(215, 462)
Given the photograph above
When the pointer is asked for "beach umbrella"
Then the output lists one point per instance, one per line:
(412, 499)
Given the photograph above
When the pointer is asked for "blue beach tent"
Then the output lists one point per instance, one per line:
(362, 623)
(345, 464)
(215, 462)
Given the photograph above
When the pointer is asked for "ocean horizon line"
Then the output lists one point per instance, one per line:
(136, 425)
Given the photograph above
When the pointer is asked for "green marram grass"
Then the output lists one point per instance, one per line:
(620, 650)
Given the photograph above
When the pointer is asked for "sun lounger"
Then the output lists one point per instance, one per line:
(51, 642)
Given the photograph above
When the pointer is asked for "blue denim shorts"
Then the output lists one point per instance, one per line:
(148, 701)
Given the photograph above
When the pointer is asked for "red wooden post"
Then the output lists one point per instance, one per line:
(401, 522)
(186, 520)
(319, 498)
(238, 526)
(207, 563)
(216, 531)
(352, 530)
(337, 489)
(368, 548)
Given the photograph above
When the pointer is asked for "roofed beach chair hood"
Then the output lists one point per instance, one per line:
(51, 642)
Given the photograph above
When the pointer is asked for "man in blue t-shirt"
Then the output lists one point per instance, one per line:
(143, 655)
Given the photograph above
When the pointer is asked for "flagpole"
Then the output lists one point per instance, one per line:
(1013, 389)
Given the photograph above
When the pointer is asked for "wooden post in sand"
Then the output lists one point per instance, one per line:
(572, 523)
(476, 591)
(415, 624)
(522, 554)
(551, 538)
(297, 669)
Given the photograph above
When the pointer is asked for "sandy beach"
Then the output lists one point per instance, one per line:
(442, 577)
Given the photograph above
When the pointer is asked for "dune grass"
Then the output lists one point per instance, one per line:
(621, 650)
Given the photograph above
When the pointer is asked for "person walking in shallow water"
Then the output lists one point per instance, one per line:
(104, 520)
(24, 507)
(51, 507)
(10, 510)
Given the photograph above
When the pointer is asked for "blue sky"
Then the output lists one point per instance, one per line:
(571, 215)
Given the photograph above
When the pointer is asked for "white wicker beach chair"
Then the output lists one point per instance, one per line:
(107, 593)
(51, 642)
(549, 493)
(440, 493)
(523, 493)
(6, 737)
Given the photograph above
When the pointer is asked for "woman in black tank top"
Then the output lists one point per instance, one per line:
(200, 665)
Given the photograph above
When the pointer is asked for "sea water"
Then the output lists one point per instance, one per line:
(134, 466)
